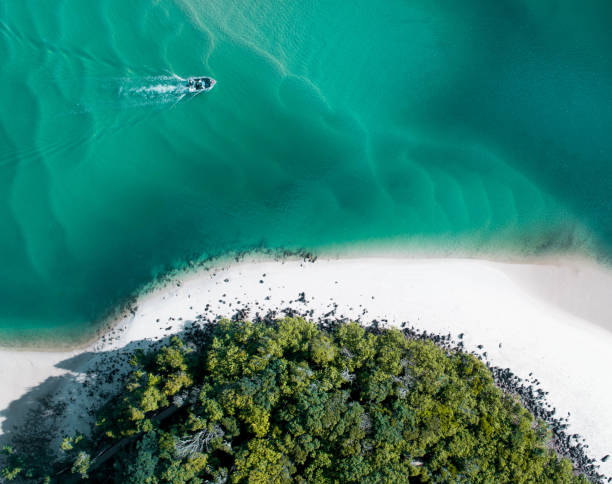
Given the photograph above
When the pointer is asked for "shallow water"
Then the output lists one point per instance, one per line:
(462, 125)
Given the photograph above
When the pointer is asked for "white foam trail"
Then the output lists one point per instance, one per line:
(131, 100)
(151, 91)
(159, 89)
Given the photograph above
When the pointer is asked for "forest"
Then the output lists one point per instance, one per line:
(288, 400)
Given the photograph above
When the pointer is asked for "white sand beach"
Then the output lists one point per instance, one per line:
(553, 319)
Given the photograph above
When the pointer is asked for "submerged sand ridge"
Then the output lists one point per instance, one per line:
(548, 319)
(329, 127)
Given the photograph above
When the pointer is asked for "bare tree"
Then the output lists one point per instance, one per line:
(346, 376)
(192, 444)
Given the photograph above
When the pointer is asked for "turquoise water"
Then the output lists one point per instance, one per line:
(466, 125)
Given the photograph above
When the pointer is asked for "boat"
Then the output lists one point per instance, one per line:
(200, 84)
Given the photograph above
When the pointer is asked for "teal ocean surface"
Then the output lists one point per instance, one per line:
(458, 125)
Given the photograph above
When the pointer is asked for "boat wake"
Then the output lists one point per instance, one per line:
(159, 90)
(133, 92)
(112, 103)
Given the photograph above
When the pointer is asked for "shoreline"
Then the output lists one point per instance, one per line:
(107, 323)
(548, 318)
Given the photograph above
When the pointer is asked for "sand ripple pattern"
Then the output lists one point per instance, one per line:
(410, 124)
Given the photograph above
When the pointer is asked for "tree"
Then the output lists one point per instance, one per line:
(288, 401)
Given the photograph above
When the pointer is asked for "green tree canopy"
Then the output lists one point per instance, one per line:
(289, 401)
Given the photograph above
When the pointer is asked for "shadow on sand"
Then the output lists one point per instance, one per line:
(65, 405)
